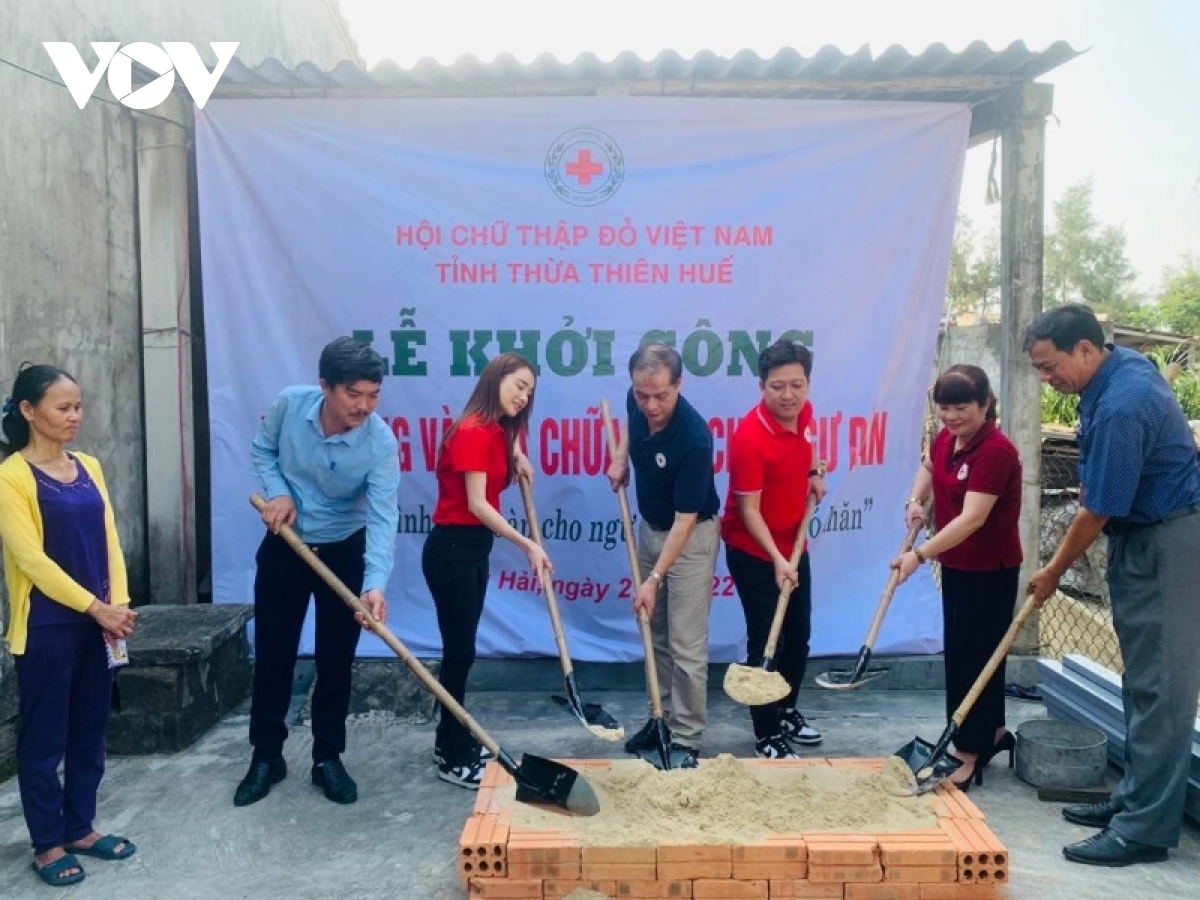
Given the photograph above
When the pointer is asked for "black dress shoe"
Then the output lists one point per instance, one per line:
(645, 740)
(1110, 849)
(1093, 815)
(258, 781)
(333, 778)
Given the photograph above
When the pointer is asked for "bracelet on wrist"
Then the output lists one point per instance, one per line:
(910, 501)
(921, 557)
(654, 574)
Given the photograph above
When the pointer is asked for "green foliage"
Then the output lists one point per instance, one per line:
(1085, 261)
(1059, 409)
(1063, 409)
(974, 282)
(1179, 301)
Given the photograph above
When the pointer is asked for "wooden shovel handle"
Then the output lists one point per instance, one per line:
(964, 708)
(781, 604)
(560, 638)
(635, 569)
(348, 597)
(886, 599)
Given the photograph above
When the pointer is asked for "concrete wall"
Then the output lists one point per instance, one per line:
(69, 248)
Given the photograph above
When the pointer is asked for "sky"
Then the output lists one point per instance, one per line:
(1125, 113)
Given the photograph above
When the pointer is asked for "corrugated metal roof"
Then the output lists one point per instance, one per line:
(976, 73)
(978, 76)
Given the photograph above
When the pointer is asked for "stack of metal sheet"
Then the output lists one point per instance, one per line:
(1080, 690)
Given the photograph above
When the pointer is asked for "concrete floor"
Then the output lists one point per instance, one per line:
(399, 840)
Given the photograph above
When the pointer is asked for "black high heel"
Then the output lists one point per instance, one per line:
(1007, 743)
(976, 777)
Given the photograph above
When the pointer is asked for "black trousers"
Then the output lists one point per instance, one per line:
(455, 564)
(282, 586)
(754, 579)
(977, 608)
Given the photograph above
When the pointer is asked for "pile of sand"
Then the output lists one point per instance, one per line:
(727, 801)
(755, 687)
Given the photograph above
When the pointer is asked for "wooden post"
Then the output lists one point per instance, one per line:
(1021, 240)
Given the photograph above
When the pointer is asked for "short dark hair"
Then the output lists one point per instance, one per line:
(656, 356)
(30, 385)
(784, 353)
(345, 361)
(965, 384)
(1064, 327)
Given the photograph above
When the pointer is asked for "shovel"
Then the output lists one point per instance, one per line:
(752, 686)
(925, 765)
(539, 780)
(591, 715)
(661, 756)
(847, 681)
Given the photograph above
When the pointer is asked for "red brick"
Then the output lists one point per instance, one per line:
(728, 889)
(556, 890)
(654, 890)
(682, 871)
(959, 892)
(750, 871)
(701, 853)
(908, 852)
(623, 855)
(569, 871)
(781, 848)
(619, 872)
(505, 887)
(921, 874)
(843, 853)
(847, 874)
(542, 849)
(882, 892)
(805, 890)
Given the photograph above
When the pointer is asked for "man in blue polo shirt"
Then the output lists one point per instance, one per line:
(327, 465)
(1140, 485)
(671, 450)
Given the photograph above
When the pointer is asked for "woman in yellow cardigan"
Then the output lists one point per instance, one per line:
(68, 611)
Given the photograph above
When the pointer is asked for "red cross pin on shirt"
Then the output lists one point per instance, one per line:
(584, 167)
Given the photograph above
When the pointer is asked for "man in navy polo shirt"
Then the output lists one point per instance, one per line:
(1140, 485)
(671, 450)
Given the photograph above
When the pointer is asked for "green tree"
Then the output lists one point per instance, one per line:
(974, 282)
(1085, 261)
(1179, 302)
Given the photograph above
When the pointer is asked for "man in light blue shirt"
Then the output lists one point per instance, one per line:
(328, 467)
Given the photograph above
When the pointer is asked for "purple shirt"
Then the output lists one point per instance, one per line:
(74, 537)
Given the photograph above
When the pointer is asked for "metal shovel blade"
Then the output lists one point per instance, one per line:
(662, 756)
(591, 715)
(841, 680)
(928, 767)
(541, 780)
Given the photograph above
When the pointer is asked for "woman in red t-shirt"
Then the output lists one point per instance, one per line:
(974, 474)
(480, 455)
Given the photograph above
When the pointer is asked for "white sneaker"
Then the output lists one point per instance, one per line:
(467, 776)
(774, 747)
(796, 728)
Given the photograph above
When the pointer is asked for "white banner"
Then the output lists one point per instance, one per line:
(570, 230)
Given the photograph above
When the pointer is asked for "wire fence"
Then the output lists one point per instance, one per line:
(1079, 618)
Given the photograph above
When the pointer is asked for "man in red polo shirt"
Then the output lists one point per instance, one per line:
(772, 470)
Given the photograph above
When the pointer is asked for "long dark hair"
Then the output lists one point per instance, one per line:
(31, 384)
(484, 404)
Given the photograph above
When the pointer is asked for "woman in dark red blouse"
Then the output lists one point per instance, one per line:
(479, 457)
(974, 474)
